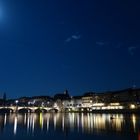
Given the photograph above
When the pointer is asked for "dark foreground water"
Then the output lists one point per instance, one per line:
(69, 126)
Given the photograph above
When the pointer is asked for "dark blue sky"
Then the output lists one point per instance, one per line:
(47, 46)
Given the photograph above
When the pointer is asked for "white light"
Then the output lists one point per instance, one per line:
(5, 119)
(132, 106)
(120, 107)
(16, 101)
(108, 107)
(104, 108)
(15, 125)
(112, 107)
(97, 108)
(98, 104)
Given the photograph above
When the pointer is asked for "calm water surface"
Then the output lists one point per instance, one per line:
(69, 126)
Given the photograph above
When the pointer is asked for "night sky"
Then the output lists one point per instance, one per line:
(47, 46)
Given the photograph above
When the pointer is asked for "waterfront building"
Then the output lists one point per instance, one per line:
(43, 101)
(23, 101)
(127, 99)
(60, 100)
(88, 99)
(73, 104)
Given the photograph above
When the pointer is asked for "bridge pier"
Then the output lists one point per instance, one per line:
(33, 111)
(15, 110)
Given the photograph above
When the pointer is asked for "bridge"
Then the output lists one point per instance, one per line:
(29, 109)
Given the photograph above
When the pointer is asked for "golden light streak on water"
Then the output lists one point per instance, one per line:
(99, 122)
(41, 120)
(84, 122)
(134, 122)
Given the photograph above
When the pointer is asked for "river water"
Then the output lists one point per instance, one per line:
(69, 126)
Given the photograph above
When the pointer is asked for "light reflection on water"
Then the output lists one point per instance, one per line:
(73, 122)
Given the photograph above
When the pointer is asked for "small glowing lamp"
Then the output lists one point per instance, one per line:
(132, 106)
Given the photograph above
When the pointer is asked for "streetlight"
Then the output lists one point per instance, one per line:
(132, 106)
(42, 104)
(29, 103)
(16, 102)
(16, 105)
